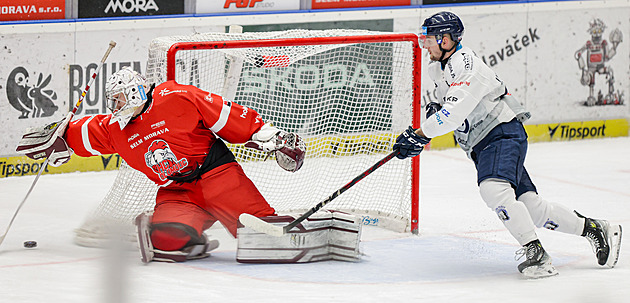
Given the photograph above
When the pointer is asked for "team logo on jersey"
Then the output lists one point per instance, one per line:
(162, 160)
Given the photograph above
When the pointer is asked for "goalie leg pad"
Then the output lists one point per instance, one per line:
(323, 236)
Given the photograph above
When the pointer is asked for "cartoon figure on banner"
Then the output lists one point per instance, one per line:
(598, 52)
(29, 99)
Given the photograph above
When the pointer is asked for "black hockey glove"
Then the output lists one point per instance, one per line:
(410, 144)
(432, 108)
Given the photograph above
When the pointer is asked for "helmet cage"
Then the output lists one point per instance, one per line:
(132, 85)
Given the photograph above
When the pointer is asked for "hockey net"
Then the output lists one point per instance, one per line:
(348, 93)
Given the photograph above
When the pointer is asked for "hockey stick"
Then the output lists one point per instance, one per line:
(274, 230)
(112, 44)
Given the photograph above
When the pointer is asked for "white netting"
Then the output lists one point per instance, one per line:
(348, 101)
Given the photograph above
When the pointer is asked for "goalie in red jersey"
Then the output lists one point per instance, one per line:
(174, 135)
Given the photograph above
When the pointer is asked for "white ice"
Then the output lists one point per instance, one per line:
(463, 253)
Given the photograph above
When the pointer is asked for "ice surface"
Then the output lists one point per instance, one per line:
(463, 253)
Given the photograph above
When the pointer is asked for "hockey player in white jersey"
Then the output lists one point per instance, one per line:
(487, 123)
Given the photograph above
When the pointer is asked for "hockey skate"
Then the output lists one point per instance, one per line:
(144, 237)
(193, 252)
(537, 263)
(605, 240)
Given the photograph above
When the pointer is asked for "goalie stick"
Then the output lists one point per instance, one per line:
(264, 227)
(112, 44)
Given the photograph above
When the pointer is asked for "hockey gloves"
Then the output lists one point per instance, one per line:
(432, 108)
(41, 142)
(410, 144)
(289, 148)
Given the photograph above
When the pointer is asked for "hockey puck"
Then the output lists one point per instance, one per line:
(30, 244)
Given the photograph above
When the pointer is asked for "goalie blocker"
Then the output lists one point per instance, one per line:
(326, 235)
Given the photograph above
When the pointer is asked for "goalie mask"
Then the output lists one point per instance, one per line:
(125, 93)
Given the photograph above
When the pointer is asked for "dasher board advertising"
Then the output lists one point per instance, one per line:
(222, 6)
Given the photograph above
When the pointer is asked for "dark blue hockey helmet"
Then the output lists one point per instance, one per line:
(443, 23)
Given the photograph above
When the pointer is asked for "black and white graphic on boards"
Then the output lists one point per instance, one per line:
(31, 100)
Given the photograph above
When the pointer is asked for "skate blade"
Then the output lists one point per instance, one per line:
(144, 238)
(614, 238)
(540, 271)
(212, 245)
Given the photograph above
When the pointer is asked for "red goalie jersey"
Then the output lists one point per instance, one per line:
(176, 131)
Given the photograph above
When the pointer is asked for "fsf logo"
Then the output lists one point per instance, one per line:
(241, 3)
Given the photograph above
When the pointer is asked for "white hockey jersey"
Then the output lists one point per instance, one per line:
(474, 100)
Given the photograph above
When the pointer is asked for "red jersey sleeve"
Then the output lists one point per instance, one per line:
(230, 121)
(89, 136)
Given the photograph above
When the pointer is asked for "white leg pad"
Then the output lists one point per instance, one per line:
(500, 197)
(323, 236)
(552, 216)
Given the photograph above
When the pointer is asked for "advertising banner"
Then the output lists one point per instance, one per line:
(319, 4)
(18, 10)
(221, 6)
(43, 75)
(566, 66)
(122, 8)
(580, 74)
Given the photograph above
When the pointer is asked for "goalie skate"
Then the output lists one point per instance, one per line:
(193, 252)
(144, 237)
(148, 253)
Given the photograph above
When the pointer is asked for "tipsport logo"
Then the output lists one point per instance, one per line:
(19, 169)
(567, 132)
(30, 99)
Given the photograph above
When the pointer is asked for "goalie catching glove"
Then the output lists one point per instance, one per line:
(47, 142)
(289, 148)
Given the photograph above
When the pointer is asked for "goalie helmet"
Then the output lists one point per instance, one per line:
(443, 23)
(132, 85)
